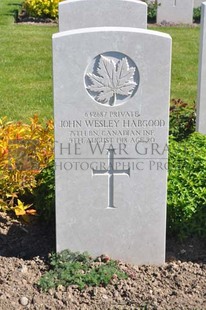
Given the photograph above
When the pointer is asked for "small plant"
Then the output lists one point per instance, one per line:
(41, 8)
(197, 15)
(186, 200)
(182, 119)
(73, 268)
(23, 210)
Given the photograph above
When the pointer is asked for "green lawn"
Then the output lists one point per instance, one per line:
(185, 52)
(26, 65)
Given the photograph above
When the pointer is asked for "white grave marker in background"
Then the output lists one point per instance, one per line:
(175, 11)
(197, 3)
(201, 98)
(74, 14)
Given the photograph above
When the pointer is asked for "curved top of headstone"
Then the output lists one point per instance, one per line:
(75, 14)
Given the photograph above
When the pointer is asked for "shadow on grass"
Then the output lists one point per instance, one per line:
(17, 7)
(15, 4)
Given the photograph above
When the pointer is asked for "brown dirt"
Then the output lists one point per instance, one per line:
(178, 284)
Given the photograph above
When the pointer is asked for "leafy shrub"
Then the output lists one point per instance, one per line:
(68, 268)
(152, 10)
(44, 193)
(197, 15)
(41, 8)
(182, 119)
(187, 187)
(25, 149)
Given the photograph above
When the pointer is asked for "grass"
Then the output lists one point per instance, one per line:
(185, 51)
(26, 65)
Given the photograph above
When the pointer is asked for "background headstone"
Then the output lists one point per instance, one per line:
(75, 14)
(197, 3)
(111, 98)
(175, 11)
(201, 98)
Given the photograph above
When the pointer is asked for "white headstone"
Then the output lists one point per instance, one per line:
(197, 3)
(175, 11)
(111, 97)
(201, 99)
(74, 14)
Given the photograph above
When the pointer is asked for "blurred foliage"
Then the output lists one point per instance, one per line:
(182, 119)
(25, 149)
(41, 8)
(44, 193)
(152, 7)
(197, 15)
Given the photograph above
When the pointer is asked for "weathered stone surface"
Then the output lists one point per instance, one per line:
(74, 14)
(201, 99)
(111, 96)
(175, 11)
(197, 3)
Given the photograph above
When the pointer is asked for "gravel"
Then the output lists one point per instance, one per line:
(24, 248)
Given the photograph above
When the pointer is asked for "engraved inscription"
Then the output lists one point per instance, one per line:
(175, 3)
(110, 173)
(111, 127)
(113, 80)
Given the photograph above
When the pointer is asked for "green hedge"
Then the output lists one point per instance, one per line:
(187, 187)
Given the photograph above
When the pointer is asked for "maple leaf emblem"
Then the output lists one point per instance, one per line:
(113, 79)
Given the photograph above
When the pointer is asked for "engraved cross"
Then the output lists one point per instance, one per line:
(110, 173)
